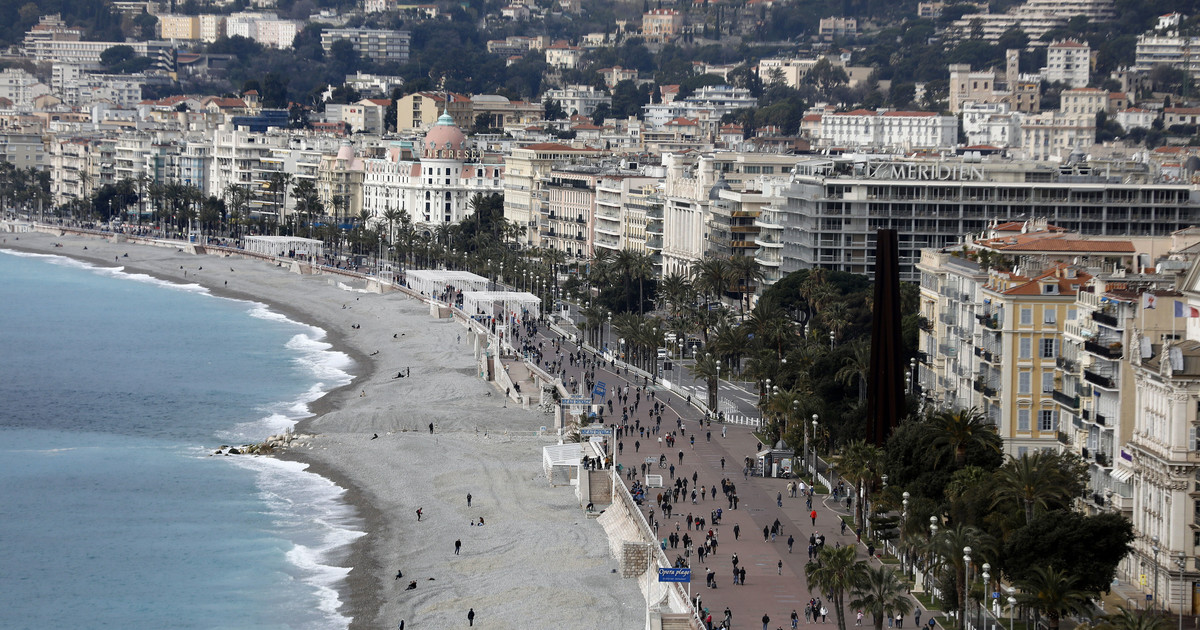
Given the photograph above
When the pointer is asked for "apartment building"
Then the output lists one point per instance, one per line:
(1068, 61)
(1167, 48)
(1021, 93)
(693, 185)
(629, 212)
(378, 45)
(567, 223)
(526, 173)
(420, 110)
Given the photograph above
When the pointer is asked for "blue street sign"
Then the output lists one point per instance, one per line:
(594, 431)
(599, 389)
(576, 401)
(674, 575)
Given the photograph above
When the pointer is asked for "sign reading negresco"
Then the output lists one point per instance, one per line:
(671, 574)
(925, 172)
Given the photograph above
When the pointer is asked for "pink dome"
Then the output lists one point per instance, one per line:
(445, 135)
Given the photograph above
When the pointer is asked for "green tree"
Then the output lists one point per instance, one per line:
(1087, 548)
(837, 572)
(1053, 593)
(881, 594)
(1045, 480)
(956, 430)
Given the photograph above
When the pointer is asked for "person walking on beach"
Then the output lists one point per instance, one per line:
(419, 513)
(471, 617)
(468, 499)
(457, 546)
(430, 428)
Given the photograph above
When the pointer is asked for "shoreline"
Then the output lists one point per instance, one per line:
(457, 401)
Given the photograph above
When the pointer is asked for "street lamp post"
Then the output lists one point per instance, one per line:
(1181, 560)
(966, 585)
(608, 336)
(831, 339)
(933, 530)
(1155, 549)
(986, 577)
(814, 447)
(903, 525)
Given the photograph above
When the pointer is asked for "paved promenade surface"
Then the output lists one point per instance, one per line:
(769, 589)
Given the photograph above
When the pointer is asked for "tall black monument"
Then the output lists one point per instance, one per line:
(885, 393)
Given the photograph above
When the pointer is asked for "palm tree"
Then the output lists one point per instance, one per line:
(882, 594)
(711, 276)
(708, 368)
(856, 369)
(745, 270)
(859, 462)
(772, 327)
(280, 183)
(308, 201)
(676, 290)
(836, 572)
(1125, 619)
(1052, 592)
(1033, 481)
(956, 430)
(947, 558)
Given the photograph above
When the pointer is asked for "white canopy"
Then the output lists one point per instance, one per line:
(510, 302)
(282, 245)
(434, 281)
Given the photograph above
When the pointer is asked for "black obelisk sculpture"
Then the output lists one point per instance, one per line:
(885, 383)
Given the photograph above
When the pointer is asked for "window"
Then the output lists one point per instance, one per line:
(1049, 348)
(1047, 420)
(1047, 382)
(1023, 420)
(1027, 316)
(1024, 382)
(1072, 314)
(1050, 315)
(1025, 348)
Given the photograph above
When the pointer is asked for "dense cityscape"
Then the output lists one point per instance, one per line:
(698, 186)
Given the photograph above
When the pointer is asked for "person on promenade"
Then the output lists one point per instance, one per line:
(791, 541)
(737, 530)
(766, 620)
(813, 516)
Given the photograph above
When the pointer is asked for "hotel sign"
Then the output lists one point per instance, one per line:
(464, 155)
(925, 172)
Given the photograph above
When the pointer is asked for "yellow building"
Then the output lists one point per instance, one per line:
(661, 25)
(179, 27)
(526, 175)
(420, 110)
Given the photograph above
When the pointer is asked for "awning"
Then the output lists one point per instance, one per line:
(1122, 475)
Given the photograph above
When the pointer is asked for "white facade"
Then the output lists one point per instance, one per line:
(876, 129)
(20, 87)
(580, 99)
(1068, 62)
(991, 124)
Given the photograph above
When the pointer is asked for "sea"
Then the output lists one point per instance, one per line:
(115, 390)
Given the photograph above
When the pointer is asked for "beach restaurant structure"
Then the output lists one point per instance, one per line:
(509, 302)
(433, 282)
(284, 246)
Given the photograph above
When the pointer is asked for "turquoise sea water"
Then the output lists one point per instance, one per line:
(114, 389)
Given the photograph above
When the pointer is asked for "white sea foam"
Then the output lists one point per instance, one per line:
(111, 271)
(309, 512)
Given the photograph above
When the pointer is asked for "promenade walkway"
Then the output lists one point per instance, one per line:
(770, 588)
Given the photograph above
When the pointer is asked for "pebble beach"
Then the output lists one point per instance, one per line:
(538, 562)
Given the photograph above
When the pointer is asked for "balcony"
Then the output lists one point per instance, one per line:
(986, 355)
(1101, 420)
(1103, 459)
(948, 350)
(1065, 439)
(1070, 402)
(1095, 378)
(992, 323)
(1110, 350)
(1067, 365)
(983, 388)
(1104, 318)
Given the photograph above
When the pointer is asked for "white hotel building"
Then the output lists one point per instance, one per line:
(864, 128)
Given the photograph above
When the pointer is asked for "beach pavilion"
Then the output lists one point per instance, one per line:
(284, 245)
(433, 282)
(510, 303)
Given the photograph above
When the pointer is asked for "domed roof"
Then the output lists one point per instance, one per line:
(445, 135)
